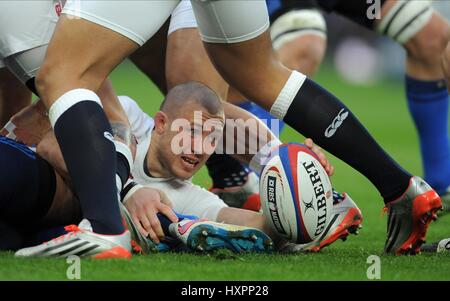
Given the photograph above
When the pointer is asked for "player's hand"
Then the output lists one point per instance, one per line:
(144, 205)
(31, 123)
(322, 157)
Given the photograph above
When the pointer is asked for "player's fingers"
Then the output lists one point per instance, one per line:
(139, 226)
(154, 237)
(309, 143)
(322, 159)
(328, 168)
(315, 148)
(167, 211)
(321, 155)
(155, 225)
(331, 171)
(145, 223)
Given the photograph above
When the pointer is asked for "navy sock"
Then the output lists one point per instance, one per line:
(428, 105)
(123, 169)
(319, 115)
(84, 135)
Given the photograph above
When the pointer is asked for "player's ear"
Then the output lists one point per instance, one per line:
(161, 122)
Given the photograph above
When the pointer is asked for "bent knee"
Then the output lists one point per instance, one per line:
(446, 63)
(54, 80)
(304, 54)
(429, 44)
(299, 37)
(43, 80)
(50, 80)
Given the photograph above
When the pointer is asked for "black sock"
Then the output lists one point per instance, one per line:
(27, 185)
(84, 135)
(317, 114)
(10, 238)
(225, 171)
(123, 168)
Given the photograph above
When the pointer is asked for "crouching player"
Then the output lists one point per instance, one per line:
(160, 168)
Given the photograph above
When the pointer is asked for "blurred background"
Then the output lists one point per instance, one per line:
(382, 57)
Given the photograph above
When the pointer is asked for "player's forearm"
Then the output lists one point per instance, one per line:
(241, 217)
(115, 113)
(245, 132)
(121, 130)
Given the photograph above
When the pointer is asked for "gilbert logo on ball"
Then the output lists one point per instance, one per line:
(296, 193)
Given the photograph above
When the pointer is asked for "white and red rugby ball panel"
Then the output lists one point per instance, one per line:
(296, 193)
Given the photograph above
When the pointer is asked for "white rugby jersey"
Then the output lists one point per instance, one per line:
(186, 197)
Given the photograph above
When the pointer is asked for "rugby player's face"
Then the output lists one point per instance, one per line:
(193, 143)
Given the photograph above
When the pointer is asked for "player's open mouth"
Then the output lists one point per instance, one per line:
(190, 162)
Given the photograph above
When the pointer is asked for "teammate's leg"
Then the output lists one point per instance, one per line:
(303, 53)
(46, 201)
(194, 65)
(424, 33)
(78, 59)
(150, 58)
(299, 39)
(14, 96)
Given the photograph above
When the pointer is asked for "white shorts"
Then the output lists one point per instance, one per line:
(182, 17)
(26, 26)
(219, 21)
(286, 27)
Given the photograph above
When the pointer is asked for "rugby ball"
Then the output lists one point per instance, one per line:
(296, 193)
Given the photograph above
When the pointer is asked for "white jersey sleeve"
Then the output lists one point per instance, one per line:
(188, 198)
(140, 122)
(182, 17)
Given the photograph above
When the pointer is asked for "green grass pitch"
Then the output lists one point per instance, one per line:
(382, 109)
